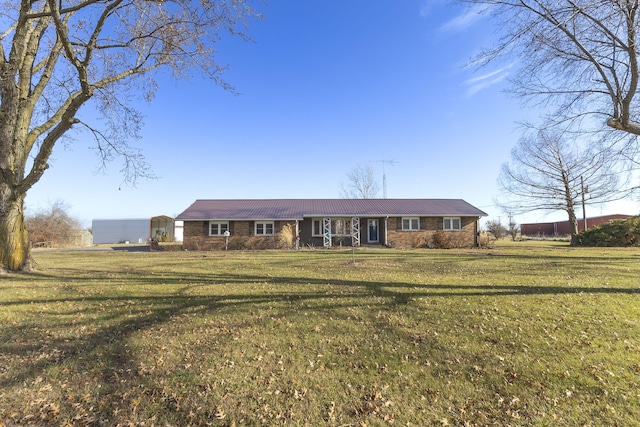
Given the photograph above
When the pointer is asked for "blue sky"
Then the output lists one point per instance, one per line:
(323, 86)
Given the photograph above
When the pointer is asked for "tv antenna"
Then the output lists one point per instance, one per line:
(384, 174)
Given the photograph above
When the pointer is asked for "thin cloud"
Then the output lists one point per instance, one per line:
(476, 84)
(428, 6)
(465, 20)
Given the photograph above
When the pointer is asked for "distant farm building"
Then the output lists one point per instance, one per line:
(563, 228)
(109, 231)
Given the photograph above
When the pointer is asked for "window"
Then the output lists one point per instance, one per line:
(217, 228)
(264, 229)
(451, 224)
(317, 227)
(340, 226)
(410, 223)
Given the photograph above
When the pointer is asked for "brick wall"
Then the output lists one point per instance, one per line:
(196, 236)
(426, 236)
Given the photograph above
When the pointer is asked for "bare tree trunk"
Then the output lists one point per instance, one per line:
(14, 243)
(14, 239)
(573, 223)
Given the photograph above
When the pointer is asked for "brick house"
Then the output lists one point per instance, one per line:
(273, 223)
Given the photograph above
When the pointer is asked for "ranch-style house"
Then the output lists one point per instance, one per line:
(274, 223)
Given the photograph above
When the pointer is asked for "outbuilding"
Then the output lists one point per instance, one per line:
(563, 228)
(109, 231)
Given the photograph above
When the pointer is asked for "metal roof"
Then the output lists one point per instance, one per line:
(292, 209)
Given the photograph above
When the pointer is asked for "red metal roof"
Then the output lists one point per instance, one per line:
(291, 209)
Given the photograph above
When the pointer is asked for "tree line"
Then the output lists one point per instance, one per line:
(53, 227)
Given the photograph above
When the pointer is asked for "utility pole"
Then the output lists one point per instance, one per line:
(384, 175)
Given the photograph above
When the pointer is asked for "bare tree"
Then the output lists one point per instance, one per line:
(550, 173)
(58, 55)
(579, 55)
(361, 184)
(496, 229)
(53, 225)
(513, 229)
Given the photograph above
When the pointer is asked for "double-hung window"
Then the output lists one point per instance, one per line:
(451, 224)
(317, 227)
(264, 228)
(217, 228)
(410, 223)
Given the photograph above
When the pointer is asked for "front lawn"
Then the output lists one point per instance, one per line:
(520, 335)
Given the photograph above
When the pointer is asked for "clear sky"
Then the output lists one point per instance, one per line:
(323, 86)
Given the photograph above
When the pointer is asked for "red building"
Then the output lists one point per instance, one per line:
(563, 228)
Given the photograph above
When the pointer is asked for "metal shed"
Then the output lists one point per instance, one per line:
(563, 228)
(120, 231)
(163, 229)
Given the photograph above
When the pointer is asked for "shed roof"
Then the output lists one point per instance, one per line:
(292, 209)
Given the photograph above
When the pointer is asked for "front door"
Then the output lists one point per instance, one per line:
(373, 231)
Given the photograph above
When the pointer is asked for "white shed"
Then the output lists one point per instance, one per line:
(163, 229)
(120, 231)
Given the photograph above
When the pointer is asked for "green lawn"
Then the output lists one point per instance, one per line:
(523, 335)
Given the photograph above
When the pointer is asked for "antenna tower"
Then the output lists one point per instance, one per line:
(384, 175)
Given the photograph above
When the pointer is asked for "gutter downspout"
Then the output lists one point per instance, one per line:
(476, 234)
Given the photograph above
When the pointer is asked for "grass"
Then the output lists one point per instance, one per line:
(529, 335)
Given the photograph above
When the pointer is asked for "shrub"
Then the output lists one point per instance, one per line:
(420, 241)
(439, 240)
(443, 240)
(618, 232)
(513, 230)
(484, 240)
(495, 228)
(287, 237)
(238, 243)
(448, 240)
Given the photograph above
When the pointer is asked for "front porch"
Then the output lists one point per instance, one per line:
(342, 231)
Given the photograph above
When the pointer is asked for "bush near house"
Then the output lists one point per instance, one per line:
(619, 232)
(447, 240)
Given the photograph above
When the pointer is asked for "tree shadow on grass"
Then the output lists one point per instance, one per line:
(75, 283)
(42, 342)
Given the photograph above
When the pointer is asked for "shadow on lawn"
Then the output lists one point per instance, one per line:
(103, 352)
(87, 278)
